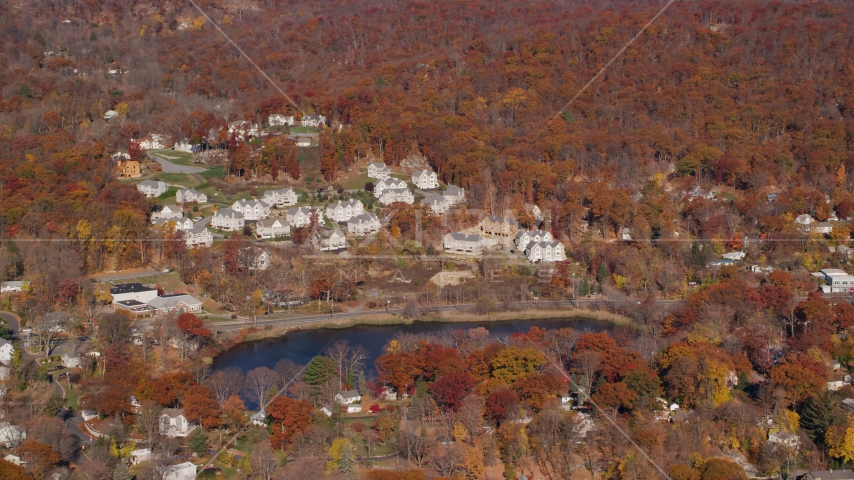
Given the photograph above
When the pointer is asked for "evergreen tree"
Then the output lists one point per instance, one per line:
(583, 287)
(16, 357)
(347, 464)
(602, 275)
(819, 413)
(53, 405)
(320, 370)
(697, 256)
(199, 442)
(361, 383)
(5, 331)
(121, 472)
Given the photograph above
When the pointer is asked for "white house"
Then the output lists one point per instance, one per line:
(242, 128)
(187, 195)
(198, 237)
(228, 219)
(341, 211)
(140, 455)
(12, 435)
(133, 291)
(534, 211)
(303, 141)
(182, 471)
(364, 224)
(252, 209)
(626, 234)
(821, 227)
(15, 459)
(394, 195)
(348, 397)
(545, 252)
(173, 423)
(168, 212)
(328, 239)
(14, 286)
(437, 204)
(272, 228)
(110, 114)
(282, 197)
(280, 120)
(388, 184)
(454, 194)
(836, 280)
(804, 219)
(259, 418)
(70, 360)
(463, 243)
(176, 302)
(784, 438)
(259, 258)
(151, 188)
(734, 255)
(525, 237)
(425, 179)
(312, 120)
(299, 216)
(153, 141)
(5, 350)
(379, 170)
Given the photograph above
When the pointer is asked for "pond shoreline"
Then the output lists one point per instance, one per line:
(385, 319)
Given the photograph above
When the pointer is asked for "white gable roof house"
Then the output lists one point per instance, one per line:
(259, 258)
(804, 219)
(463, 243)
(198, 237)
(168, 212)
(228, 219)
(187, 195)
(379, 170)
(5, 350)
(299, 216)
(394, 195)
(173, 423)
(437, 204)
(525, 237)
(282, 197)
(425, 179)
(279, 120)
(11, 435)
(259, 418)
(252, 209)
(326, 239)
(454, 194)
(272, 228)
(312, 120)
(388, 184)
(151, 188)
(350, 396)
(364, 224)
(545, 252)
(341, 211)
(182, 471)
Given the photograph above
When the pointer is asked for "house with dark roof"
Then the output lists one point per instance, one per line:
(133, 291)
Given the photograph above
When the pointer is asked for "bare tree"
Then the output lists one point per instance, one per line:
(258, 384)
(288, 371)
(446, 459)
(148, 421)
(339, 352)
(301, 390)
(264, 461)
(587, 364)
(225, 383)
(416, 446)
(356, 361)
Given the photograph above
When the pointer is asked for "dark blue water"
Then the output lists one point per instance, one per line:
(300, 347)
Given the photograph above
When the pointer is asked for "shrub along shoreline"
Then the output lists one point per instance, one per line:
(450, 317)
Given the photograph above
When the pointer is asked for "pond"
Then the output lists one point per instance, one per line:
(302, 346)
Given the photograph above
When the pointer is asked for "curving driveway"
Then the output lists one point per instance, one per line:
(170, 167)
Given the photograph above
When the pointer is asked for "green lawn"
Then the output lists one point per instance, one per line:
(215, 172)
(357, 182)
(169, 281)
(301, 129)
(176, 157)
(182, 179)
(71, 397)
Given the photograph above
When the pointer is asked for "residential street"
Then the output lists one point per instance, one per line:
(169, 167)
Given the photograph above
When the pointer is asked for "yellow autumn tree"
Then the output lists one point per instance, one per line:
(474, 462)
(712, 382)
(336, 451)
(840, 440)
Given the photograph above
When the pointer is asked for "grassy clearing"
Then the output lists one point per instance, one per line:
(176, 157)
(446, 317)
(183, 179)
(169, 281)
(301, 129)
(357, 183)
(214, 172)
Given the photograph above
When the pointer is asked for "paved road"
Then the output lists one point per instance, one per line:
(170, 167)
(305, 319)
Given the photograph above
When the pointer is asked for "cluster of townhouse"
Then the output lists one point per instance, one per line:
(144, 301)
(388, 190)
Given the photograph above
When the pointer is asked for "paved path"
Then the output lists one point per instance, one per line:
(170, 167)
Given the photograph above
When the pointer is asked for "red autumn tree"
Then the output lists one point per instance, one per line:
(501, 403)
(170, 387)
(435, 361)
(397, 369)
(289, 417)
(614, 396)
(534, 389)
(450, 390)
(800, 376)
(192, 326)
(40, 458)
(10, 471)
(201, 406)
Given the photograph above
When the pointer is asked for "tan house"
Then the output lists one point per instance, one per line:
(499, 226)
(128, 169)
